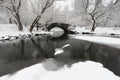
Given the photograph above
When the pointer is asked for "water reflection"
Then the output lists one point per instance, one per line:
(108, 56)
(22, 49)
(15, 55)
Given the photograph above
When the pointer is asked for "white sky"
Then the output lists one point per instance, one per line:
(107, 2)
(61, 5)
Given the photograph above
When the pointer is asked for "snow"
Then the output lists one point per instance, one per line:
(12, 30)
(50, 70)
(61, 50)
(7, 30)
(99, 30)
(61, 5)
(66, 45)
(58, 51)
(115, 42)
(57, 32)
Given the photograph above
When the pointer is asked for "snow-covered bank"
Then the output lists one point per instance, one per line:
(79, 71)
(12, 30)
(102, 40)
(100, 30)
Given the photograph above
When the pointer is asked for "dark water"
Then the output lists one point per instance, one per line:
(18, 54)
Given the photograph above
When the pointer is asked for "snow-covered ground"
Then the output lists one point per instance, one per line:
(115, 42)
(100, 35)
(12, 30)
(79, 71)
(48, 70)
(100, 30)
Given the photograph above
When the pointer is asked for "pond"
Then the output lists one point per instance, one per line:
(24, 52)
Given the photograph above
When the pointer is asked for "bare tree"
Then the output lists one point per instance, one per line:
(101, 15)
(14, 7)
(113, 13)
(96, 14)
(93, 11)
(46, 5)
(47, 23)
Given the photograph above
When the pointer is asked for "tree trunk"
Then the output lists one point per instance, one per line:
(93, 27)
(35, 22)
(10, 20)
(93, 24)
(20, 26)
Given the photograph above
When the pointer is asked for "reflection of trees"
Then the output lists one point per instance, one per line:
(107, 55)
(46, 47)
(90, 51)
(22, 49)
(16, 45)
(39, 48)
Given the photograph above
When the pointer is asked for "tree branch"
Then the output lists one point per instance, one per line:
(7, 7)
(47, 5)
(19, 5)
(50, 4)
(100, 15)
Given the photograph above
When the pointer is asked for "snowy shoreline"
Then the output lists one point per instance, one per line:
(88, 70)
(114, 42)
(10, 32)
